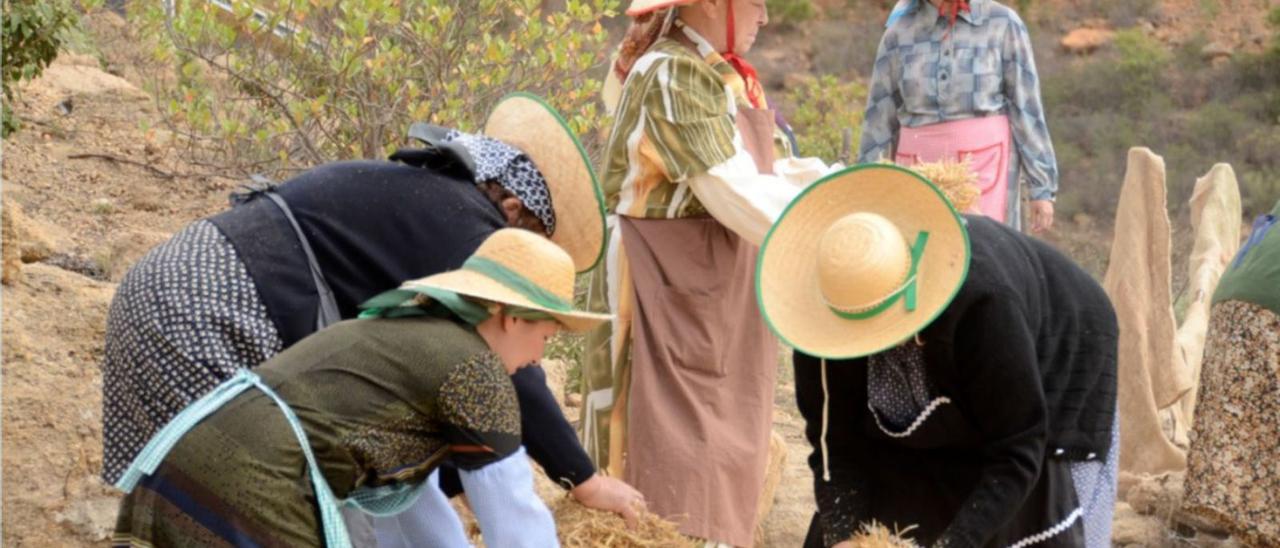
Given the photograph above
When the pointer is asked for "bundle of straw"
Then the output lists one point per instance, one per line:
(875, 535)
(956, 180)
(582, 527)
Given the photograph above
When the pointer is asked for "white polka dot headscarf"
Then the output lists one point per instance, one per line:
(508, 166)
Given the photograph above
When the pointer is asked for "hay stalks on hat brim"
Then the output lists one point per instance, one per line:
(875, 535)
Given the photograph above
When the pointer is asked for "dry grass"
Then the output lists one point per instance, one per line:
(956, 180)
(582, 527)
(875, 535)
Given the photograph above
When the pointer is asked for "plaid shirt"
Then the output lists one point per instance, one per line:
(984, 66)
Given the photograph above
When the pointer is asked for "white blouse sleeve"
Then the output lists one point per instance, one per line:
(506, 506)
(748, 203)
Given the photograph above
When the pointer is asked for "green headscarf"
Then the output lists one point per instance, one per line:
(440, 303)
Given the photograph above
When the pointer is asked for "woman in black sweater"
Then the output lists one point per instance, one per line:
(955, 375)
(233, 290)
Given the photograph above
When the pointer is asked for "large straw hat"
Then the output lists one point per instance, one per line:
(641, 7)
(528, 123)
(514, 267)
(862, 260)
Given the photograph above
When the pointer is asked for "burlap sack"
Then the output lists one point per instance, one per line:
(1151, 375)
(1215, 217)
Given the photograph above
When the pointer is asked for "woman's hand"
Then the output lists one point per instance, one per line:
(1041, 215)
(605, 493)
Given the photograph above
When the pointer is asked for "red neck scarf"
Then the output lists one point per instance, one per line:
(750, 79)
(956, 6)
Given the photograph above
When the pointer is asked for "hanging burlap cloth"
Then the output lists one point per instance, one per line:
(1215, 217)
(1152, 375)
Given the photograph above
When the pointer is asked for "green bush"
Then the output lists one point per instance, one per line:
(822, 108)
(1141, 66)
(1123, 13)
(1259, 191)
(786, 12)
(32, 34)
(321, 80)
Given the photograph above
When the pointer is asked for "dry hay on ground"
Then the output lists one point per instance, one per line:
(582, 527)
(956, 180)
(875, 535)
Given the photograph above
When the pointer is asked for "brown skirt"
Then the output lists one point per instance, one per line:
(702, 377)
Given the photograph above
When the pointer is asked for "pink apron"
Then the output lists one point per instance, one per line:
(984, 141)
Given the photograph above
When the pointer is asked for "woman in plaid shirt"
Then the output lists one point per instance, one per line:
(956, 80)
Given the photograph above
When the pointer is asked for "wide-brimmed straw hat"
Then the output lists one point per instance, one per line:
(859, 262)
(513, 267)
(641, 7)
(528, 123)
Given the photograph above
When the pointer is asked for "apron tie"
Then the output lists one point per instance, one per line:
(145, 464)
(826, 412)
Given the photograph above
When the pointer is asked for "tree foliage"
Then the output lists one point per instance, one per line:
(824, 108)
(293, 83)
(32, 32)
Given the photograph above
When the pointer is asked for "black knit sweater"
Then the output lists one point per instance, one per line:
(373, 225)
(1027, 354)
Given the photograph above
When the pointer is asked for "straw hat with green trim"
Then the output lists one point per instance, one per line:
(862, 260)
(528, 123)
(641, 7)
(512, 267)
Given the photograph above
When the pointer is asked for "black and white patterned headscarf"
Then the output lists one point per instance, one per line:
(502, 163)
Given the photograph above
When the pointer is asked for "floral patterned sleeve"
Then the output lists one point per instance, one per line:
(1026, 113)
(479, 412)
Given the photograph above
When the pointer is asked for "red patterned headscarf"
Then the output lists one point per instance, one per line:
(750, 78)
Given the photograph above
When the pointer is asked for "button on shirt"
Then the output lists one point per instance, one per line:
(927, 72)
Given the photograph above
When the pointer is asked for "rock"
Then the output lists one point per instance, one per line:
(9, 244)
(1158, 496)
(37, 240)
(573, 400)
(73, 77)
(94, 518)
(1129, 528)
(1084, 41)
(122, 251)
(1216, 50)
(793, 80)
(1200, 524)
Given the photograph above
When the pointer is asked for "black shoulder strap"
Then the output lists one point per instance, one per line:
(327, 312)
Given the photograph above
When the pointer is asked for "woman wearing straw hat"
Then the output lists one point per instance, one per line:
(363, 412)
(231, 291)
(956, 80)
(954, 374)
(679, 391)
